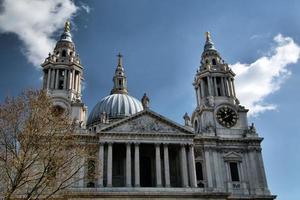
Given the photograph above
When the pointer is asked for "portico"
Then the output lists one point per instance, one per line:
(121, 165)
(135, 157)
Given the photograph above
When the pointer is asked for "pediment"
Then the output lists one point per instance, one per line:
(146, 122)
(232, 156)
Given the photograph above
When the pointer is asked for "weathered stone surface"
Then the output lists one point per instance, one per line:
(145, 124)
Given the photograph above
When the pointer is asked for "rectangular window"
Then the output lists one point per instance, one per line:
(199, 171)
(199, 174)
(234, 171)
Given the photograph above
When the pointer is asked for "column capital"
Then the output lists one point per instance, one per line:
(183, 144)
(191, 145)
(128, 143)
(137, 143)
(166, 144)
(157, 144)
(109, 143)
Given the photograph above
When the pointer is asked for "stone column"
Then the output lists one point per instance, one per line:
(53, 79)
(223, 86)
(250, 172)
(101, 164)
(216, 87)
(210, 93)
(233, 89)
(261, 165)
(109, 164)
(202, 88)
(81, 173)
(217, 170)
(128, 165)
(56, 79)
(78, 83)
(65, 79)
(73, 80)
(70, 80)
(75, 83)
(192, 168)
(254, 175)
(184, 172)
(136, 165)
(48, 78)
(158, 165)
(166, 164)
(212, 86)
(226, 86)
(197, 96)
(208, 169)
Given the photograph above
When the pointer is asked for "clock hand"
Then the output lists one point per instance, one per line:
(226, 116)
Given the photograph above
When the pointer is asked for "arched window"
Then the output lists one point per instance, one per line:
(196, 126)
(64, 53)
(214, 61)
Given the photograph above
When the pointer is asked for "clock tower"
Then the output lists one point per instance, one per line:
(218, 111)
(227, 151)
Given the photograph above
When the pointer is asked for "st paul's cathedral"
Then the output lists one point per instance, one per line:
(140, 154)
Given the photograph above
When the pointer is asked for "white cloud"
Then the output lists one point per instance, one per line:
(35, 21)
(86, 8)
(255, 81)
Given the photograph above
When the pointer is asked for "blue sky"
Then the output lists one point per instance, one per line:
(162, 42)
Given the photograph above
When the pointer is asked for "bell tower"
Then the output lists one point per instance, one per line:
(63, 77)
(218, 111)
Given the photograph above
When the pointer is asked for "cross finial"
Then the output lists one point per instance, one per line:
(119, 59)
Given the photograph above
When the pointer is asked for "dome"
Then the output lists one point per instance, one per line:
(116, 106)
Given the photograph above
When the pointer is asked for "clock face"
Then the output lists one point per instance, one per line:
(226, 116)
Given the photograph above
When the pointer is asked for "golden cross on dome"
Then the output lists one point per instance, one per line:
(68, 26)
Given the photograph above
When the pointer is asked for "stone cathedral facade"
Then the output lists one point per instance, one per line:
(140, 154)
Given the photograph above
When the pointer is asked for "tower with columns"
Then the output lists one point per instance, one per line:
(63, 77)
(214, 87)
(227, 150)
